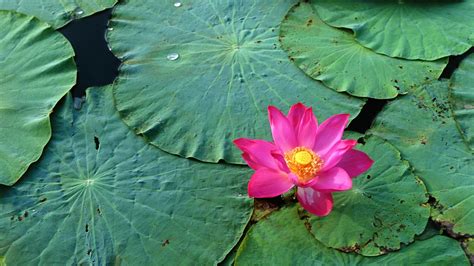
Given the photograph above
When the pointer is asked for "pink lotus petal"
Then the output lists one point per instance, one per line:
(282, 130)
(268, 183)
(280, 161)
(335, 179)
(250, 162)
(258, 153)
(307, 130)
(296, 113)
(316, 202)
(329, 133)
(298, 183)
(355, 162)
(334, 156)
(304, 124)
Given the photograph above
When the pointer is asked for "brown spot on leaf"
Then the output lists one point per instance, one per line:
(263, 207)
(308, 225)
(423, 140)
(401, 227)
(355, 248)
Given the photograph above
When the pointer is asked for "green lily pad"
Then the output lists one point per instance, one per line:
(283, 239)
(462, 96)
(387, 206)
(100, 195)
(410, 29)
(57, 12)
(421, 126)
(200, 75)
(36, 70)
(334, 57)
(469, 249)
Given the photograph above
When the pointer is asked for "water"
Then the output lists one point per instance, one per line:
(78, 11)
(172, 56)
(97, 66)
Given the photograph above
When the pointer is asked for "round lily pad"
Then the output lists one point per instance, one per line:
(36, 70)
(462, 97)
(283, 239)
(100, 195)
(57, 12)
(334, 57)
(201, 74)
(429, 139)
(410, 29)
(386, 207)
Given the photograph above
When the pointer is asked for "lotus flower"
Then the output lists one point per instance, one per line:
(312, 157)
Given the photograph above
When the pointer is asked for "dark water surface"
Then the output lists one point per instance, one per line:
(96, 64)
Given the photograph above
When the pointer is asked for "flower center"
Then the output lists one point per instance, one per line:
(304, 163)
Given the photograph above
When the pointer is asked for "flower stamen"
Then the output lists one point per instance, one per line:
(304, 163)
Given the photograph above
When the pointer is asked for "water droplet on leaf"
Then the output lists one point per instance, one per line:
(172, 56)
(79, 11)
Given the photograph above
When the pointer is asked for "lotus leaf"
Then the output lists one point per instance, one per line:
(422, 127)
(334, 57)
(36, 70)
(57, 12)
(283, 239)
(197, 76)
(462, 96)
(412, 29)
(386, 206)
(100, 195)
